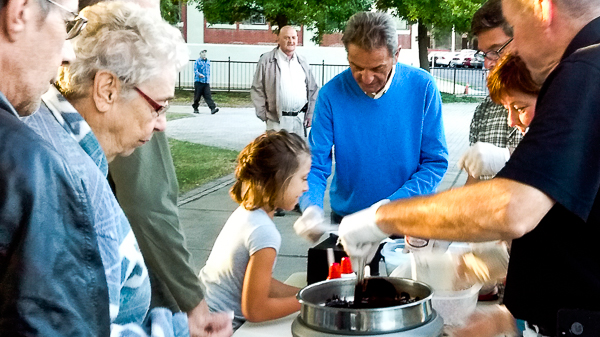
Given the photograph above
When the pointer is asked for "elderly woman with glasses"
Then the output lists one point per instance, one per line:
(105, 104)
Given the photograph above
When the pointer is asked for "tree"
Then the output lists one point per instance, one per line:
(170, 10)
(323, 16)
(442, 14)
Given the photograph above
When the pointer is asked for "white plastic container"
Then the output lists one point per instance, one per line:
(455, 306)
(394, 255)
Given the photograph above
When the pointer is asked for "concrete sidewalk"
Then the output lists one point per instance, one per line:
(204, 210)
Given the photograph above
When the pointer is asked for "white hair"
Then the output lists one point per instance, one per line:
(132, 42)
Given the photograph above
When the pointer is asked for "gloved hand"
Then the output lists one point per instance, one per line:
(483, 159)
(311, 225)
(360, 235)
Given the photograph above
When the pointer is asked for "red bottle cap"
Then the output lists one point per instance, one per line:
(334, 271)
(346, 265)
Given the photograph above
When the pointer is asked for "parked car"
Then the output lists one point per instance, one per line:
(456, 60)
(471, 59)
(475, 61)
(438, 59)
(443, 59)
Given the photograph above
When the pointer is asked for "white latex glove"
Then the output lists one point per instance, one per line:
(311, 225)
(483, 159)
(360, 235)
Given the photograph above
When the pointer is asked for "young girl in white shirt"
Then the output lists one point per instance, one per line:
(271, 173)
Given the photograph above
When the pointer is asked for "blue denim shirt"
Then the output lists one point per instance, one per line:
(202, 67)
(126, 274)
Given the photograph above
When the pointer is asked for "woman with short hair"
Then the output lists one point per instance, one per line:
(105, 104)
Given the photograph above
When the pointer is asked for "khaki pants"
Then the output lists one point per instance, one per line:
(292, 124)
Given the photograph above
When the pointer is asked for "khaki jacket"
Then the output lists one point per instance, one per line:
(264, 91)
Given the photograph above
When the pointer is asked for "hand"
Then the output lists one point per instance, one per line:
(311, 225)
(203, 323)
(489, 321)
(483, 159)
(201, 76)
(360, 235)
(307, 121)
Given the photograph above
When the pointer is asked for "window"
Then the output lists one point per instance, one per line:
(401, 24)
(255, 19)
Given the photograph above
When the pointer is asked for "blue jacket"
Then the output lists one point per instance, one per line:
(52, 279)
(388, 148)
(202, 67)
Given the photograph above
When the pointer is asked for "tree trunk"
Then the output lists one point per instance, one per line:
(423, 45)
(282, 20)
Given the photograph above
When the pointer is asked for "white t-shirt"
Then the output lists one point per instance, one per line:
(244, 233)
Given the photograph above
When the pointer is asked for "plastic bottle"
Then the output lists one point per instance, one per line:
(334, 271)
(346, 268)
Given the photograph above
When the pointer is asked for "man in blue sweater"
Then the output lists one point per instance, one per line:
(385, 121)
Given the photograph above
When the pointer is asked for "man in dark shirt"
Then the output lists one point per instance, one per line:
(52, 280)
(546, 198)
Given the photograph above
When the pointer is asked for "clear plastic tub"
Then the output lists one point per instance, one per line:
(456, 306)
(394, 256)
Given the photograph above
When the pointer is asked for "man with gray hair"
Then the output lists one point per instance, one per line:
(384, 119)
(52, 280)
(549, 189)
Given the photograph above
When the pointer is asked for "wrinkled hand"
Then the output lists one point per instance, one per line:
(311, 225)
(203, 323)
(489, 321)
(360, 235)
(307, 122)
(483, 159)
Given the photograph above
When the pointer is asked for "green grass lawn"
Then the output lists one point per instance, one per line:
(449, 98)
(197, 164)
(232, 99)
(171, 116)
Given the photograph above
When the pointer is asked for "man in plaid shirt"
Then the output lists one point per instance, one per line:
(490, 137)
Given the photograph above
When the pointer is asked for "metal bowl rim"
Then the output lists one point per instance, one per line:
(408, 305)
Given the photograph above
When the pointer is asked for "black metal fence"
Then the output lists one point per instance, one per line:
(237, 76)
(461, 81)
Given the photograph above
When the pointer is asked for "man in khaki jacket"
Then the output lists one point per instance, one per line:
(284, 91)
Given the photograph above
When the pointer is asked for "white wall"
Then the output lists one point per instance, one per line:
(195, 25)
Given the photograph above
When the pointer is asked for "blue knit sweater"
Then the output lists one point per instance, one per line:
(392, 147)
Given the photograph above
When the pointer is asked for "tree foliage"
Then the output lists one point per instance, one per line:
(442, 14)
(323, 16)
(170, 10)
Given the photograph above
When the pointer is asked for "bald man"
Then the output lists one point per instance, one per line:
(284, 91)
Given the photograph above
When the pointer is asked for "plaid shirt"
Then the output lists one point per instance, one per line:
(202, 67)
(490, 125)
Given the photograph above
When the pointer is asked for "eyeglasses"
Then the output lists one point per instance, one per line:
(158, 109)
(75, 25)
(493, 55)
